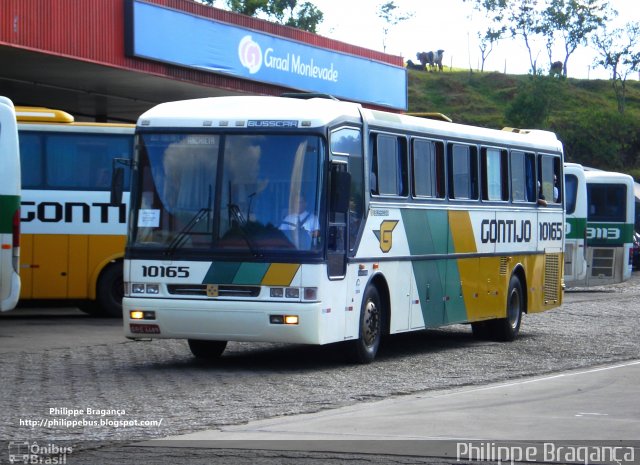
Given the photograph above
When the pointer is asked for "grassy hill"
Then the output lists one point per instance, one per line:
(584, 113)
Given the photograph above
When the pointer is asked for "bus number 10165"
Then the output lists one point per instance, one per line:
(154, 271)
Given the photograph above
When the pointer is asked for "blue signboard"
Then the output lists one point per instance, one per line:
(171, 36)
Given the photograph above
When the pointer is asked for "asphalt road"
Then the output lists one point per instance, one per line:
(125, 391)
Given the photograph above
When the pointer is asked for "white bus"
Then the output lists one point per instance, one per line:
(9, 207)
(575, 251)
(609, 204)
(317, 221)
(72, 239)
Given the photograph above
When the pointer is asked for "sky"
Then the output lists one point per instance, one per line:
(447, 25)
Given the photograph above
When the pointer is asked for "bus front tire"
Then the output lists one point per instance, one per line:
(110, 291)
(207, 350)
(365, 348)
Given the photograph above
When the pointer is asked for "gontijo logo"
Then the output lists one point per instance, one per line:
(250, 54)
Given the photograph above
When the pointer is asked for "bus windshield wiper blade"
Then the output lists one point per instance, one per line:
(182, 235)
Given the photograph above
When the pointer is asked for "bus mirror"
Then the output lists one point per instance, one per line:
(340, 186)
(117, 186)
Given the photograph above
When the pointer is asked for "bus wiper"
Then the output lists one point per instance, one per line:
(181, 237)
(241, 221)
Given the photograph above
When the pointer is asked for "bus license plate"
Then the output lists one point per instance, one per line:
(144, 329)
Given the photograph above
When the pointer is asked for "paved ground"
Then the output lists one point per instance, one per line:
(74, 362)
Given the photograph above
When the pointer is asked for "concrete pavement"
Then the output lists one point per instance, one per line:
(598, 404)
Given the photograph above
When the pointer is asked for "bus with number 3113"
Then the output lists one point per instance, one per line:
(315, 221)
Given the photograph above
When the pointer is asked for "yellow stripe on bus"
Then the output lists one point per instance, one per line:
(280, 274)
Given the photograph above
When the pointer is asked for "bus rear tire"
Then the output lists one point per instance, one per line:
(507, 329)
(207, 350)
(111, 291)
(365, 348)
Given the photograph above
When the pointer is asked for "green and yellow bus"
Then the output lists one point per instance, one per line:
(73, 240)
(310, 220)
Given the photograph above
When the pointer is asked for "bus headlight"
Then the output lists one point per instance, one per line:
(141, 288)
(292, 293)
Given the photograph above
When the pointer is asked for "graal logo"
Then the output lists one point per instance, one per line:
(250, 54)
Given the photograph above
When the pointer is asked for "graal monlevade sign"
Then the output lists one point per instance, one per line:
(171, 36)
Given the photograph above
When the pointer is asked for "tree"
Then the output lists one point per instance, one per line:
(532, 104)
(618, 50)
(487, 41)
(574, 21)
(305, 16)
(387, 12)
(520, 17)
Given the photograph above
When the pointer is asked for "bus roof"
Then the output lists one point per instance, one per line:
(239, 111)
(42, 115)
(597, 176)
(235, 111)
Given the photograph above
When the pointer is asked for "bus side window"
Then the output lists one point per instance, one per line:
(495, 186)
(428, 168)
(523, 176)
(31, 159)
(389, 166)
(463, 172)
(549, 171)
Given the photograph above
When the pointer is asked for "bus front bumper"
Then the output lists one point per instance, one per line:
(225, 320)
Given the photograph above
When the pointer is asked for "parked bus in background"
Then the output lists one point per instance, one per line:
(575, 251)
(317, 221)
(73, 240)
(610, 218)
(9, 207)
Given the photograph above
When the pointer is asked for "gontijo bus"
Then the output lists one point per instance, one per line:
(317, 221)
(575, 245)
(73, 239)
(9, 207)
(604, 215)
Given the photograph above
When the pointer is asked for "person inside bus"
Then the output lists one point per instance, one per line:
(301, 225)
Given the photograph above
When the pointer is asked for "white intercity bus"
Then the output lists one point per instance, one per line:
(603, 220)
(9, 207)
(318, 221)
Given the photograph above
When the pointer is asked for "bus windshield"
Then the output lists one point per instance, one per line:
(233, 193)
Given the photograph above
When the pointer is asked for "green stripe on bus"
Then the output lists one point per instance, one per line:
(428, 233)
(9, 204)
(609, 233)
(251, 273)
(576, 228)
(221, 273)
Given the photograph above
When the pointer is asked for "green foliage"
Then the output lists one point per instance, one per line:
(532, 104)
(305, 16)
(583, 113)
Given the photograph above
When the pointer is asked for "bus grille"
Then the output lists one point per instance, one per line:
(223, 290)
(551, 278)
(503, 266)
(603, 262)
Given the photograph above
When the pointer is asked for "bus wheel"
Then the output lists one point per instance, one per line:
(207, 350)
(480, 329)
(110, 291)
(364, 349)
(507, 329)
